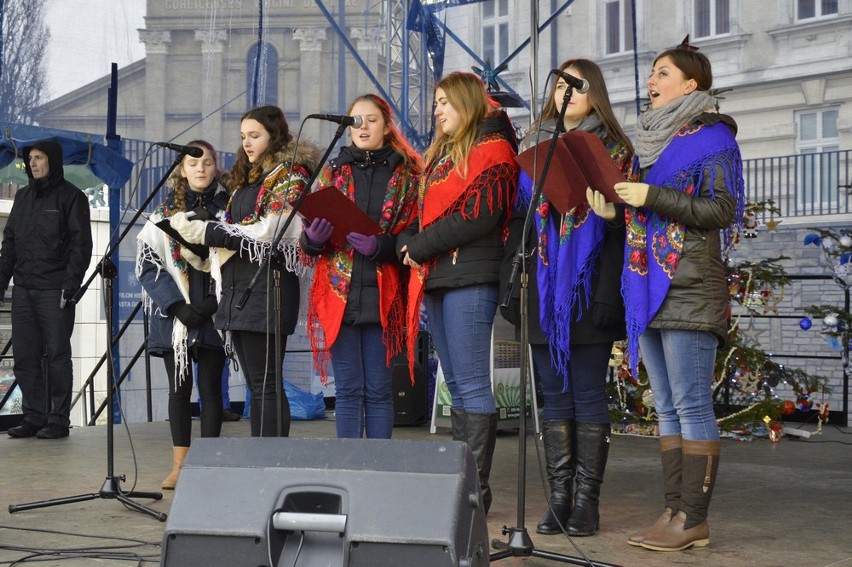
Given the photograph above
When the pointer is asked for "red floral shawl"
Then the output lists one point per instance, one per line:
(333, 274)
(443, 191)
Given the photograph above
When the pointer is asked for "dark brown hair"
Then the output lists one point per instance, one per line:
(692, 63)
(598, 100)
(273, 121)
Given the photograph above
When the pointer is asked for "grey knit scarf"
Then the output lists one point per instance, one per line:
(656, 128)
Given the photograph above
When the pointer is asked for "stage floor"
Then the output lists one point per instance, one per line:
(776, 504)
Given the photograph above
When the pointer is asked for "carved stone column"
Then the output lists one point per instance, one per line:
(367, 42)
(156, 51)
(314, 77)
(213, 73)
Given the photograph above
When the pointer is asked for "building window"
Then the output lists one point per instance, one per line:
(712, 17)
(807, 9)
(262, 75)
(818, 143)
(495, 31)
(618, 18)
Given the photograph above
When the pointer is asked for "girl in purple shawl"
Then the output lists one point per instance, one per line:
(575, 310)
(674, 283)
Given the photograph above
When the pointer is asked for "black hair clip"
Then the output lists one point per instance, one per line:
(685, 44)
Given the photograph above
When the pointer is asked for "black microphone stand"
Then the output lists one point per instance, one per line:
(519, 543)
(110, 489)
(279, 359)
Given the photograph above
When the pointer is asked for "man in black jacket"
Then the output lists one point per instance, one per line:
(47, 247)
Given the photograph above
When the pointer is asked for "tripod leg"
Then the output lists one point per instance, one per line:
(161, 516)
(55, 502)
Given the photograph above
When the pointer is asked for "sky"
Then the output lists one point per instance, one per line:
(87, 36)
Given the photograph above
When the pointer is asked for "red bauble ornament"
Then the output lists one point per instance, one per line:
(788, 408)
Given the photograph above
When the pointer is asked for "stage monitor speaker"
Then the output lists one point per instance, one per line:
(273, 502)
(411, 401)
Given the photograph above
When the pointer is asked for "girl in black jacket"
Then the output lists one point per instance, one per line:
(575, 310)
(180, 303)
(265, 179)
(468, 188)
(357, 296)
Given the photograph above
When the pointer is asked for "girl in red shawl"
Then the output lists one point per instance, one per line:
(467, 190)
(356, 310)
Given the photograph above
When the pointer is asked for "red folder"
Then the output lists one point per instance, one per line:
(580, 160)
(345, 216)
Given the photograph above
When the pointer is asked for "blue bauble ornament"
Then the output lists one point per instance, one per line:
(805, 323)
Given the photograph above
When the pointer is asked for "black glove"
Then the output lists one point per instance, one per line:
(605, 316)
(186, 314)
(200, 214)
(67, 296)
(207, 307)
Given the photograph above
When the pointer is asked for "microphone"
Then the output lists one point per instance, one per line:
(354, 121)
(581, 85)
(191, 151)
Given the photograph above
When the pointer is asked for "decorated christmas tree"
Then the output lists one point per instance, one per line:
(746, 378)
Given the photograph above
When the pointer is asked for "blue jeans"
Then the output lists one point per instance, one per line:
(460, 321)
(680, 369)
(363, 386)
(585, 397)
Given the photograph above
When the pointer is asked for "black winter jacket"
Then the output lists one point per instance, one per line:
(469, 249)
(257, 314)
(47, 242)
(372, 172)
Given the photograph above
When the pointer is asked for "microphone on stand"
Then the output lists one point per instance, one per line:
(354, 121)
(580, 85)
(191, 151)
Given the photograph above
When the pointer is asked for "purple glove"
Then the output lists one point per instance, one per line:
(318, 231)
(366, 245)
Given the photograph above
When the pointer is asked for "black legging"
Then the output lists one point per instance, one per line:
(210, 365)
(256, 355)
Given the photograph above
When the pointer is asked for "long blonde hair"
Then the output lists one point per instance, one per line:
(466, 94)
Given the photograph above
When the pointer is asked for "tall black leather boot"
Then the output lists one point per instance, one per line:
(457, 420)
(558, 437)
(481, 436)
(592, 451)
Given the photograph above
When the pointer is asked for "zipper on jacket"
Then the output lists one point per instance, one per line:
(455, 255)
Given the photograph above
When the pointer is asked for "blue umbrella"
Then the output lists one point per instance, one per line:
(85, 150)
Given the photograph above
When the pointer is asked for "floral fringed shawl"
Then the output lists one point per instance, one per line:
(281, 187)
(567, 250)
(655, 244)
(333, 273)
(443, 191)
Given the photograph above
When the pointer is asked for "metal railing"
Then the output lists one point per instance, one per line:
(803, 184)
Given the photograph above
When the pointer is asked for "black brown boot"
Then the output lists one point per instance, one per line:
(481, 436)
(558, 437)
(671, 455)
(592, 451)
(689, 526)
(457, 421)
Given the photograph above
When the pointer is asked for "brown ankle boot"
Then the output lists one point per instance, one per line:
(178, 453)
(689, 526)
(671, 455)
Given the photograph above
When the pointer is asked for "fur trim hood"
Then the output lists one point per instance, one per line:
(307, 155)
